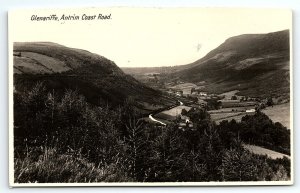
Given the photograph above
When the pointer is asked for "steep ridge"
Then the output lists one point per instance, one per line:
(100, 80)
(255, 64)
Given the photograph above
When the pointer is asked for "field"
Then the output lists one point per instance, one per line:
(233, 109)
(27, 65)
(237, 116)
(221, 116)
(237, 103)
(229, 94)
(50, 63)
(279, 113)
(235, 113)
(171, 114)
(263, 151)
(185, 87)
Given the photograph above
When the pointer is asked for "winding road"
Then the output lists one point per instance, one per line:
(157, 121)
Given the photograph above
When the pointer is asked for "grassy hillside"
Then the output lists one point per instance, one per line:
(254, 64)
(100, 80)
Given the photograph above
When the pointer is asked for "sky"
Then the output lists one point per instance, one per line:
(148, 37)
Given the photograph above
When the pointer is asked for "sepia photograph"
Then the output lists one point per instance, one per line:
(125, 96)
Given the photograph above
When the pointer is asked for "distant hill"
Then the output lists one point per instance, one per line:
(254, 64)
(100, 80)
(149, 70)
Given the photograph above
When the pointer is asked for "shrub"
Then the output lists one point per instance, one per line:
(51, 167)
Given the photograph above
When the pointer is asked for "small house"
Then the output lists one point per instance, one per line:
(203, 93)
(250, 111)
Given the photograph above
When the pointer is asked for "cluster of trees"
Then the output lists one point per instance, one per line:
(213, 103)
(234, 97)
(62, 138)
(257, 129)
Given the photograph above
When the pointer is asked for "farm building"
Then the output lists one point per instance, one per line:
(250, 111)
(203, 93)
(185, 122)
(179, 93)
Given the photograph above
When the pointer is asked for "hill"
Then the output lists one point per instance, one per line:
(100, 80)
(152, 70)
(255, 64)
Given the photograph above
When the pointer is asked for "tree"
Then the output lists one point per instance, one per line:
(30, 105)
(200, 119)
(280, 175)
(213, 104)
(270, 102)
(184, 112)
(193, 90)
(242, 99)
(136, 149)
(167, 155)
(240, 165)
(195, 169)
(234, 97)
(211, 149)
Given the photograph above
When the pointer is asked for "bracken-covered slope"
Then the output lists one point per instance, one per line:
(100, 80)
(255, 64)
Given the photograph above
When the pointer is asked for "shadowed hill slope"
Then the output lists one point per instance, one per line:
(100, 80)
(255, 64)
